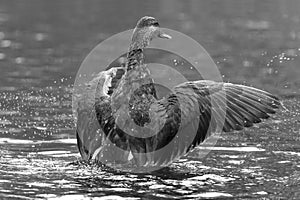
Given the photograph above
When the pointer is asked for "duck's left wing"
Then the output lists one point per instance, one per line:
(207, 106)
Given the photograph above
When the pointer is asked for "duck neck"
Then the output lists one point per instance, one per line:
(136, 75)
(135, 58)
(136, 70)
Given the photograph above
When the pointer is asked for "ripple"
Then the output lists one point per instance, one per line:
(86, 197)
(53, 152)
(8, 88)
(9, 112)
(212, 177)
(160, 186)
(14, 196)
(209, 195)
(261, 193)
(38, 184)
(287, 153)
(15, 141)
(20, 141)
(236, 162)
(57, 154)
(5, 122)
(241, 149)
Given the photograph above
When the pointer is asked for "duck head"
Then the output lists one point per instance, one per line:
(146, 29)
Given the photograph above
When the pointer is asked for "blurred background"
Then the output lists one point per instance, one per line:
(42, 44)
(251, 41)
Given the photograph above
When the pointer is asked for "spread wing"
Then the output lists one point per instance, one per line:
(204, 107)
(244, 105)
(89, 134)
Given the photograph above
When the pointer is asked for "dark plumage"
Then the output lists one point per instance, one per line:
(126, 121)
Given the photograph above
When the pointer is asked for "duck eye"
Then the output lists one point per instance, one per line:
(155, 24)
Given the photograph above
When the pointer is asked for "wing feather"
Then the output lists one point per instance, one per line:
(235, 106)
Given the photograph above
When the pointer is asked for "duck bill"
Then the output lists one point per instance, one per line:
(164, 35)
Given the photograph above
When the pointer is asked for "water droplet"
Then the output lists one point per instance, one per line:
(40, 36)
(2, 56)
(19, 60)
(5, 43)
(247, 63)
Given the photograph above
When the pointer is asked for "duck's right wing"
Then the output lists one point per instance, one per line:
(88, 131)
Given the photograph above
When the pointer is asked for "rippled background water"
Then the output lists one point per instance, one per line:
(42, 44)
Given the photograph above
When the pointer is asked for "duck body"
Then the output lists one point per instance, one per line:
(126, 122)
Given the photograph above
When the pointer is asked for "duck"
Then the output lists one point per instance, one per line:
(125, 122)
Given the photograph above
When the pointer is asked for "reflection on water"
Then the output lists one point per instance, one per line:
(41, 46)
